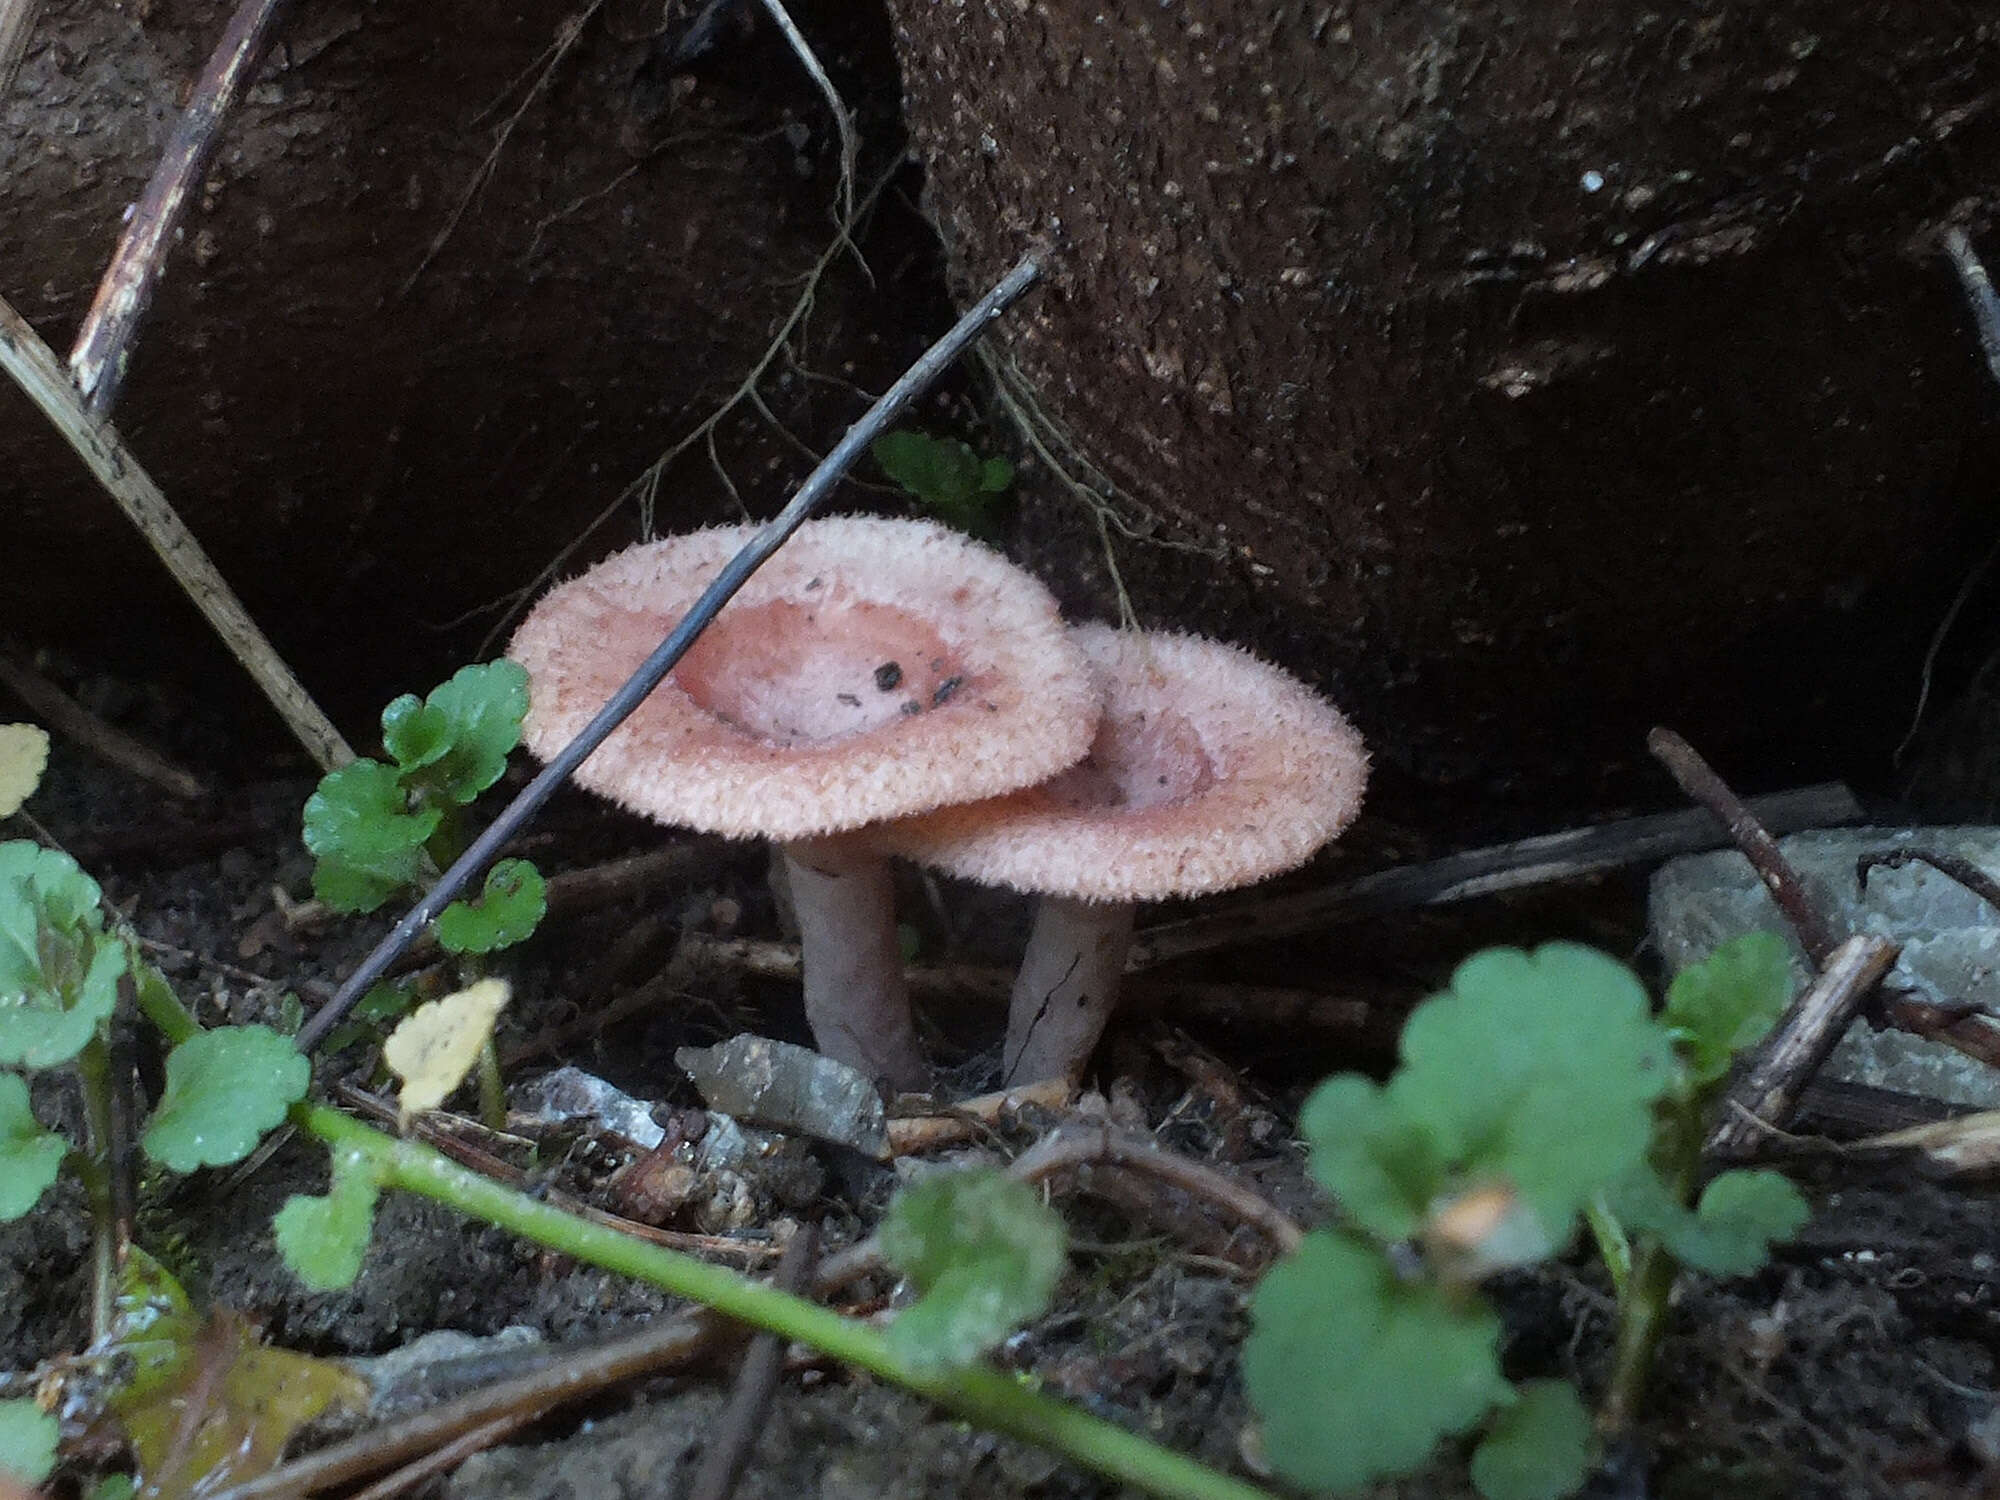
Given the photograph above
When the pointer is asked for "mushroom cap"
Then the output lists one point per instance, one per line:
(1210, 769)
(872, 668)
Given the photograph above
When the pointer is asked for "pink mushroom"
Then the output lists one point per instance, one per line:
(872, 669)
(1210, 769)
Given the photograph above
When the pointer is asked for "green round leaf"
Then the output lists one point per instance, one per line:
(1538, 1448)
(1380, 1164)
(30, 1156)
(367, 842)
(27, 1441)
(1356, 1373)
(414, 733)
(325, 1240)
(1537, 1070)
(225, 1089)
(1729, 1233)
(984, 1251)
(1729, 1001)
(59, 970)
(511, 907)
(482, 708)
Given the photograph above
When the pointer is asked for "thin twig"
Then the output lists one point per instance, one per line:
(979, 1115)
(843, 120)
(742, 1421)
(667, 1342)
(508, 1175)
(1700, 782)
(646, 486)
(1951, 866)
(1763, 1098)
(109, 743)
(1214, 1001)
(1900, 1008)
(103, 350)
(17, 26)
(1074, 1146)
(569, 31)
(653, 671)
(449, 1456)
(1570, 855)
(33, 366)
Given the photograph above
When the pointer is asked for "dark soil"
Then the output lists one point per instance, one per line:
(1857, 1365)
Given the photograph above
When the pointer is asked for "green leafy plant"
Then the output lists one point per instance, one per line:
(985, 1253)
(946, 475)
(27, 1441)
(1537, 1090)
(60, 974)
(379, 830)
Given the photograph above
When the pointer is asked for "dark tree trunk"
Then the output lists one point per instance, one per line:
(1541, 370)
(372, 439)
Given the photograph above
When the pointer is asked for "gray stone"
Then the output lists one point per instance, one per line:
(1950, 938)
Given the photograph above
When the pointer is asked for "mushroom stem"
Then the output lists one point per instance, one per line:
(1066, 988)
(856, 1000)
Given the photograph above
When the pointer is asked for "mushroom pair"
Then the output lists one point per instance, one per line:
(875, 670)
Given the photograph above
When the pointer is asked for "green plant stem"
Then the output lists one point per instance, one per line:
(1614, 1245)
(93, 1164)
(981, 1394)
(492, 1088)
(1643, 1301)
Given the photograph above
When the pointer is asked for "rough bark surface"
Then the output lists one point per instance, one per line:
(1543, 370)
(371, 439)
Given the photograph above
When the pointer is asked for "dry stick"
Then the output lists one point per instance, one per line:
(1542, 860)
(756, 1383)
(73, 721)
(103, 350)
(33, 367)
(571, 891)
(1214, 1001)
(508, 1175)
(450, 1456)
(1077, 1145)
(979, 1115)
(1762, 1100)
(1074, 1146)
(1952, 866)
(930, 365)
(1700, 782)
(850, 143)
(1907, 1012)
(17, 25)
(665, 1343)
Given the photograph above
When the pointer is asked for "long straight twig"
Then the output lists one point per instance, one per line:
(32, 365)
(653, 671)
(1546, 858)
(103, 350)
(1698, 779)
(76, 723)
(666, 1342)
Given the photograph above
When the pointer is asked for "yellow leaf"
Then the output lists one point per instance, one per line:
(24, 754)
(436, 1044)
